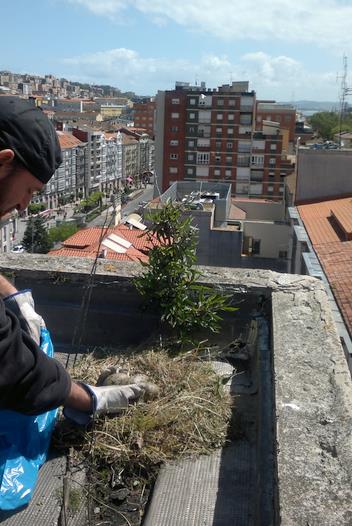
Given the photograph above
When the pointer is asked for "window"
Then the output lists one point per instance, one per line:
(258, 160)
(243, 160)
(232, 102)
(192, 101)
(228, 173)
(244, 147)
(190, 171)
(229, 145)
(204, 116)
(203, 158)
(173, 156)
(173, 170)
(192, 116)
(174, 142)
(272, 161)
(219, 131)
(175, 101)
(203, 143)
(283, 254)
(191, 144)
(228, 158)
(219, 116)
(287, 119)
(246, 119)
(190, 157)
(217, 171)
(229, 131)
(218, 145)
(174, 129)
(273, 146)
(220, 102)
(175, 115)
(217, 158)
(231, 117)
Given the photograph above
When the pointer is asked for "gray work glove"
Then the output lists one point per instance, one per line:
(106, 400)
(22, 304)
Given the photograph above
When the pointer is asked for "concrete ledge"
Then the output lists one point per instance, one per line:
(312, 385)
(313, 409)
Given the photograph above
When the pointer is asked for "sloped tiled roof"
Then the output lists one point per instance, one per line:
(85, 243)
(328, 224)
(67, 140)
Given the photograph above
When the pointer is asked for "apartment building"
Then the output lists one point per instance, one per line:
(209, 135)
(284, 115)
(8, 230)
(144, 116)
(130, 168)
(113, 175)
(71, 178)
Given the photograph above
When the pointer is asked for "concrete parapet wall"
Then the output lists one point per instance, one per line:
(312, 412)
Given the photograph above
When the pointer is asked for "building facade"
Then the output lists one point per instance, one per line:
(144, 116)
(209, 135)
(283, 114)
(71, 178)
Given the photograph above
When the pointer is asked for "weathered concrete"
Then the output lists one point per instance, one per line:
(313, 409)
(312, 386)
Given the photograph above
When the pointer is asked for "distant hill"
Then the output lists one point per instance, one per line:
(313, 105)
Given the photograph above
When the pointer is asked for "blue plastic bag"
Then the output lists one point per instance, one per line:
(24, 443)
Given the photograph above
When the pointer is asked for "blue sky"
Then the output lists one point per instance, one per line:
(287, 49)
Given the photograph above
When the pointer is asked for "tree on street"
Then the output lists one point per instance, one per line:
(36, 238)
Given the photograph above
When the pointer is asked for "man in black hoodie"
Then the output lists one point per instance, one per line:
(30, 382)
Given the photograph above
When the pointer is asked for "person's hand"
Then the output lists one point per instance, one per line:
(21, 303)
(6, 288)
(109, 399)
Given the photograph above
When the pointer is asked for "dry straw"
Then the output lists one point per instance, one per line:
(190, 416)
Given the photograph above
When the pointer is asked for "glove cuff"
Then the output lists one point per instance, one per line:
(82, 418)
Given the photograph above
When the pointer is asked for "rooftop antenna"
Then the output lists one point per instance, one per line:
(345, 90)
(196, 80)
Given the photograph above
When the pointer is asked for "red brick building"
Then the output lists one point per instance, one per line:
(209, 134)
(283, 114)
(144, 116)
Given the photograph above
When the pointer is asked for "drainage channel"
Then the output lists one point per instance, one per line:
(235, 485)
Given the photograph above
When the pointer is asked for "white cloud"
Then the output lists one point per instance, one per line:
(322, 22)
(271, 76)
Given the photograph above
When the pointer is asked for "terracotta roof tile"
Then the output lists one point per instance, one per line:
(85, 243)
(67, 140)
(332, 248)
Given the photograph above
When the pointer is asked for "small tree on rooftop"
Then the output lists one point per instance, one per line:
(169, 284)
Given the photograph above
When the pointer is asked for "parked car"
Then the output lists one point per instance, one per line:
(17, 249)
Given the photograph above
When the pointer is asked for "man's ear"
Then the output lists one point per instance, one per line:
(6, 156)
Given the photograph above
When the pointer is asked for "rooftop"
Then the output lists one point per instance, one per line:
(85, 243)
(297, 468)
(329, 227)
(67, 140)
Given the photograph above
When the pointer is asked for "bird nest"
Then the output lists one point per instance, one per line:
(190, 416)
